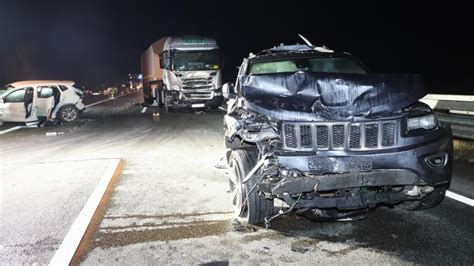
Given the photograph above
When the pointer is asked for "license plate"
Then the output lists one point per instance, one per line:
(340, 164)
(197, 105)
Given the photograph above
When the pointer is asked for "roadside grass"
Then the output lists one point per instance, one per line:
(463, 149)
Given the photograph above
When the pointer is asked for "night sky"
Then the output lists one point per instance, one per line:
(100, 42)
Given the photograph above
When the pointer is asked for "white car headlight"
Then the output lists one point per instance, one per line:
(426, 122)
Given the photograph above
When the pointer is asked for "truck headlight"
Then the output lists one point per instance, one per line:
(426, 122)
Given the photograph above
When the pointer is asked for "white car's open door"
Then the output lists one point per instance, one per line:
(19, 105)
(45, 100)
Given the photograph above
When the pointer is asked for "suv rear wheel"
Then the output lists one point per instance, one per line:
(248, 205)
(68, 113)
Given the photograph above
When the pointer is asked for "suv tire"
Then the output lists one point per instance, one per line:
(250, 206)
(68, 113)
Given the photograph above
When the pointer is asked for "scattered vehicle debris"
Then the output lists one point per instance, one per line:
(314, 128)
(222, 164)
(53, 134)
(237, 226)
(156, 117)
(182, 72)
(40, 100)
(297, 247)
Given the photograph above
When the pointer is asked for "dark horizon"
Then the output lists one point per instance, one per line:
(101, 42)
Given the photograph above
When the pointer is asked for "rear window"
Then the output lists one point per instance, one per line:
(45, 92)
(327, 65)
(63, 88)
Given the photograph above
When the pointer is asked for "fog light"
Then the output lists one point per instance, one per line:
(437, 160)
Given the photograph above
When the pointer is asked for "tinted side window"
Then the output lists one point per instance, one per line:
(45, 92)
(63, 88)
(17, 96)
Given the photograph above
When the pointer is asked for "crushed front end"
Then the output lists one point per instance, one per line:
(336, 162)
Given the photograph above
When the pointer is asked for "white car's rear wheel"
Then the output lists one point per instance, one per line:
(68, 114)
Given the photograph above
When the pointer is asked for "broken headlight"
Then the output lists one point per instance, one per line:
(426, 122)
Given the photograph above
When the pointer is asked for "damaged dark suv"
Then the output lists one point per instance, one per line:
(314, 129)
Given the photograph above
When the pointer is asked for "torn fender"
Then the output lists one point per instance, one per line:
(330, 95)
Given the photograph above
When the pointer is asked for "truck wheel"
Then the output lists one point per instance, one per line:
(429, 201)
(148, 100)
(68, 113)
(248, 205)
(160, 98)
(147, 97)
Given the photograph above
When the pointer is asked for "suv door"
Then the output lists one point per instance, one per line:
(45, 101)
(19, 106)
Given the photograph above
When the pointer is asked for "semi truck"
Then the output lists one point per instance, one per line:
(182, 72)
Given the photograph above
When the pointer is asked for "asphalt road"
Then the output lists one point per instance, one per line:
(40, 200)
(171, 203)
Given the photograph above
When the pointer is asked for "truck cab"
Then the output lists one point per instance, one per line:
(183, 72)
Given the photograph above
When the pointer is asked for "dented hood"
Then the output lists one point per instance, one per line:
(308, 96)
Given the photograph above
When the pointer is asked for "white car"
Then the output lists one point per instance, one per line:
(29, 101)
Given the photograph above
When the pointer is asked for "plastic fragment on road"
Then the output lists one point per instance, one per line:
(156, 117)
(53, 134)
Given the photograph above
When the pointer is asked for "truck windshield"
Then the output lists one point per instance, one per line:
(195, 60)
(328, 65)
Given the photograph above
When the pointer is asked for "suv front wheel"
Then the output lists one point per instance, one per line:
(249, 205)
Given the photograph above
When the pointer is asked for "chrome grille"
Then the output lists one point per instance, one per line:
(322, 137)
(197, 88)
(340, 135)
(371, 135)
(196, 82)
(388, 133)
(290, 136)
(354, 137)
(306, 136)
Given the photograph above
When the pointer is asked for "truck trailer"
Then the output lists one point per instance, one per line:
(182, 72)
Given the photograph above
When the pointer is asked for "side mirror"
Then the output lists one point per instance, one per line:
(228, 90)
(162, 63)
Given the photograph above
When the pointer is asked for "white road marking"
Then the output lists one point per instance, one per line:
(460, 198)
(144, 110)
(106, 100)
(11, 129)
(69, 245)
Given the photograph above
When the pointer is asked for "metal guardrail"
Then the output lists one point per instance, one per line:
(456, 110)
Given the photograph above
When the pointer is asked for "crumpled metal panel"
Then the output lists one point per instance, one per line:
(309, 96)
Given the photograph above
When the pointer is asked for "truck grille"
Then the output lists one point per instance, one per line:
(339, 136)
(198, 88)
